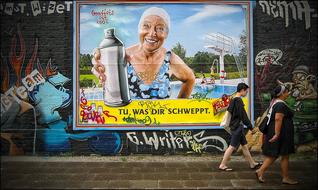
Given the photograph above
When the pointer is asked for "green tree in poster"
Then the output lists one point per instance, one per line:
(202, 61)
(188, 60)
(85, 61)
(243, 48)
(179, 50)
(229, 62)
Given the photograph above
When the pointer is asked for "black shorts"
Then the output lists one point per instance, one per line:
(238, 137)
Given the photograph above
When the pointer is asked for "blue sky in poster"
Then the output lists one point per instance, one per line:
(189, 24)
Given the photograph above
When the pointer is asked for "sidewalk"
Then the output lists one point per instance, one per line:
(146, 172)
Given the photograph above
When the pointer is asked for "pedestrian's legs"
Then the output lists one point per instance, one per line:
(235, 141)
(284, 166)
(248, 157)
(267, 162)
(226, 156)
(284, 163)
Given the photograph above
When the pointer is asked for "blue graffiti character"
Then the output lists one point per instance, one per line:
(50, 96)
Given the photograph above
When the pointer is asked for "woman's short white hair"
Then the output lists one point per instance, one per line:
(157, 12)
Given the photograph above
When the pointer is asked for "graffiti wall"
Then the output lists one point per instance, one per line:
(285, 42)
(37, 82)
(36, 93)
(35, 75)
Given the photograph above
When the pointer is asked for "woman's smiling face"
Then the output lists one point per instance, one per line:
(152, 33)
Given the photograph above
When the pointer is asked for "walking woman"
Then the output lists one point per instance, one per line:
(279, 140)
(239, 116)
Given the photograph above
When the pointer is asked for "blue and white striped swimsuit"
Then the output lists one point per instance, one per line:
(158, 89)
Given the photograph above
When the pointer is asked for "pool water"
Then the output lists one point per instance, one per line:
(208, 91)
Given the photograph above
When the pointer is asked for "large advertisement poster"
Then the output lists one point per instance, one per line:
(159, 65)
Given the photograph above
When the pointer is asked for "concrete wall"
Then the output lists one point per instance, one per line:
(39, 36)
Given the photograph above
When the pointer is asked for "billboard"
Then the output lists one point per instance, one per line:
(171, 65)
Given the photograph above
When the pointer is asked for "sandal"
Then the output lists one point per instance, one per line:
(259, 178)
(226, 169)
(258, 165)
(290, 182)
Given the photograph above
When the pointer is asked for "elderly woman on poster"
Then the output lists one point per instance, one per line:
(150, 65)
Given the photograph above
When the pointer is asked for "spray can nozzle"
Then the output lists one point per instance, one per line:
(109, 32)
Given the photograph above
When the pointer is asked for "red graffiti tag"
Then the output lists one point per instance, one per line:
(107, 114)
(88, 114)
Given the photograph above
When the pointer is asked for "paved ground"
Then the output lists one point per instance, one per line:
(145, 172)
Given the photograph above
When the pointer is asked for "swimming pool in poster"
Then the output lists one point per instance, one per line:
(213, 91)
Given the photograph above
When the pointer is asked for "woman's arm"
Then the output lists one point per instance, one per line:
(183, 73)
(278, 126)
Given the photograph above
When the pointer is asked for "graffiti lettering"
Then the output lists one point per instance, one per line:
(199, 138)
(68, 5)
(60, 8)
(36, 7)
(196, 147)
(282, 8)
(51, 7)
(21, 7)
(183, 133)
(8, 8)
(178, 140)
(152, 105)
(147, 120)
(104, 12)
(30, 81)
(108, 115)
(201, 97)
(89, 113)
(102, 15)
(151, 140)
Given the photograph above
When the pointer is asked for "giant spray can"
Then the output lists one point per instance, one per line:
(115, 88)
